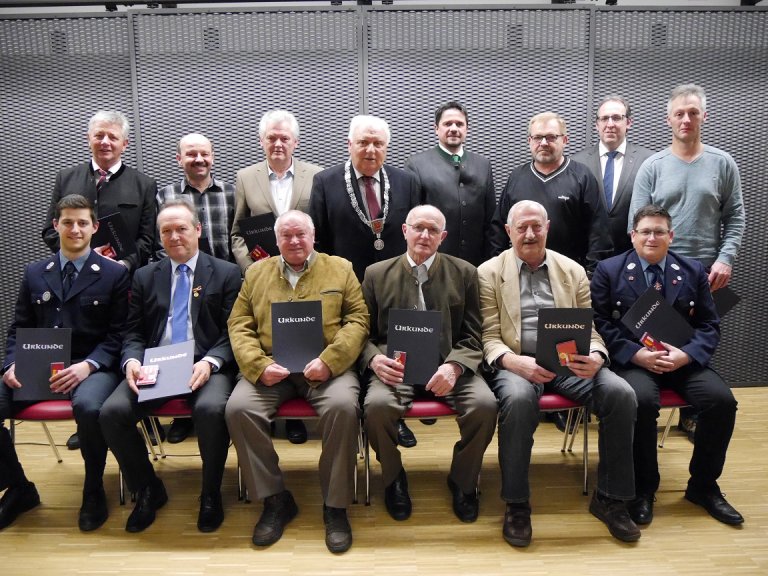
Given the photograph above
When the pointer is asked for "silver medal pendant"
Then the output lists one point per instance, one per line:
(378, 244)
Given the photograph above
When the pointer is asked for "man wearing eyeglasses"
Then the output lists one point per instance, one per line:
(423, 279)
(698, 185)
(614, 161)
(568, 191)
(617, 283)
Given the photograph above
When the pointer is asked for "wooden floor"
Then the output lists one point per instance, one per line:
(567, 539)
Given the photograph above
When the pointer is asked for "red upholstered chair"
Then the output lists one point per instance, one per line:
(670, 399)
(428, 408)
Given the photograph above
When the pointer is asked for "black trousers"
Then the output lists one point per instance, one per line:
(710, 396)
(122, 411)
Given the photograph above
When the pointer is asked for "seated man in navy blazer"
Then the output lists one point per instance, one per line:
(75, 288)
(617, 283)
(423, 279)
(204, 299)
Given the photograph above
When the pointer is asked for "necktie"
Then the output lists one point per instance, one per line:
(180, 304)
(101, 181)
(608, 179)
(456, 159)
(68, 277)
(657, 277)
(420, 273)
(370, 197)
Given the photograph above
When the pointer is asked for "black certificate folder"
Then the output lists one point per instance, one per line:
(40, 352)
(259, 234)
(174, 372)
(297, 333)
(114, 231)
(653, 314)
(558, 326)
(414, 340)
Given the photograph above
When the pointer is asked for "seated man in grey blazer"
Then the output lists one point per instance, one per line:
(424, 279)
(514, 286)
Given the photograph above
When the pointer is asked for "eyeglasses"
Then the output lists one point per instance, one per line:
(616, 118)
(419, 229)
(648, 232)
(550, 138)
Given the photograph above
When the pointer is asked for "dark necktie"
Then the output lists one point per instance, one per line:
(180, 305)
(608, 178)
(101, 181)
(68, 278)
(370, 197)
(656, 277)
(421, 275)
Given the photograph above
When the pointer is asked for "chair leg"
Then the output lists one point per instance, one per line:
(667, 427)
(156, 432)
(51, 442)
(566, 432)
(367, 466)
(147, 440)
(579, 417)
(121, 489)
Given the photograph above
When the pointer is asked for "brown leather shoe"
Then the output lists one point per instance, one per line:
(517, 524)
(279, 510)
(615, 515)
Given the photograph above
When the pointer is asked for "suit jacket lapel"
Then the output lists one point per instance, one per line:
(673, 279)
(634, 275)
(162, 288)
(52, 277)
(262, 186)
(203, 273)
(510, 292)
(562, 291)
(300, 184)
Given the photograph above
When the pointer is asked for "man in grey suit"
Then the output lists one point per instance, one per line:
(615, 162)
(276, 184)
(460, 184)
(449, 285)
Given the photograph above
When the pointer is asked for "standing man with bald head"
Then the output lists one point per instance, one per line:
(214, 199)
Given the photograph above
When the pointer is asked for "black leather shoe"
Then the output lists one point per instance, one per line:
(93, 512)
(465, 506)
(428, 421)
(688, 424)
(16, 501)
(397, 499)
(641, 509)
(295, 431)
(615, 515)
(279, 509)
(560, 419)
(405, 436)
(148, 501)
(717, 506)
(338, 532)
(211, 512)
(73, 442)
(517, 525)
(179, 430)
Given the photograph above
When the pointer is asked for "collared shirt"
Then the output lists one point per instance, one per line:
(535, 293)
(293, 275)
(644, 263)
(111, 171)
(618, 162)
(428, 262)
(450, 154)
(376, 188)
(215, 210)
(281, 188)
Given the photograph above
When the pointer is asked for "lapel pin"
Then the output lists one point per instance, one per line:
(95, 267)
(46, 296)
(675, 266)
(50, 265)
(679, 277)
(630, 278)
(631, 266)
(196, 291)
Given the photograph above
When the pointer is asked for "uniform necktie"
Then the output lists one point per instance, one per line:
(370, 197)
(656, 277)
(421, 275)
(68, 278)
(180, 305)
(608, 178)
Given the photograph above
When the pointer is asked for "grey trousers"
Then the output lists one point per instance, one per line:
(251, 409)
(384, 405)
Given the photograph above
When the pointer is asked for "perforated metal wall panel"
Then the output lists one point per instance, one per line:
(174, 72)
(726, 52)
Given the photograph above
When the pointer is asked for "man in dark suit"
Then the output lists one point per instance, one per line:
(460, 184)
(358, 207)
(614, 162)
(157, 295)
(110, 185)
(617, 283)
(426, 280)
(79, 289)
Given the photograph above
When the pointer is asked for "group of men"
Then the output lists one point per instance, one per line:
(364, 238)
